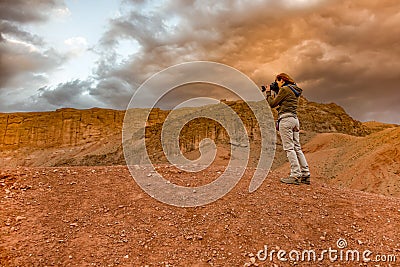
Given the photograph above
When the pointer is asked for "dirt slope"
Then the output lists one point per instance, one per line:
(370, 163)
(98, 216)
(376, 126)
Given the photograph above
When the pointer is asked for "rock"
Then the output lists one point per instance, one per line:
(328, 118)
(62, 127)
(20, 218)
(71, 128)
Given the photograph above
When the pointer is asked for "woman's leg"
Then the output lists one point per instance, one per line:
(305, 171)
(286, 127)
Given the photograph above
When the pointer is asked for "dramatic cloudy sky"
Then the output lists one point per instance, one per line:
(81, 53)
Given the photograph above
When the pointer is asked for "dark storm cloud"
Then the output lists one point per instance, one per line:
(176, 32)
(340, 51)
(66, 93)
(23, 56)
(19, 62)
(17, 13)
(74, 94)
(356, 60)
(14, 30)
(191, 91)
(25, 11)
(113, 92)
(70, 94)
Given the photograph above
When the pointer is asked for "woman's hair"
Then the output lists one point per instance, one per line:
(286, 78)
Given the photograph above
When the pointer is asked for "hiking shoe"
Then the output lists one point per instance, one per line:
(291, 180)
(305, 179)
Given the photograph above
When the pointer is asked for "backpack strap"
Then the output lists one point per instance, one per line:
(296, 93)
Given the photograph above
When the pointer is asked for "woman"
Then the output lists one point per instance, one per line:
(288, 126)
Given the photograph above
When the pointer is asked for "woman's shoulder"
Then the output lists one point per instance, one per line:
(293, 88)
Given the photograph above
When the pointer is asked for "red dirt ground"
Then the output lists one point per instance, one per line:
(98, 216)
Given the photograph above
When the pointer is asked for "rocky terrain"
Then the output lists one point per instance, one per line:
(93, 137)
(98, 216)
(347, 152)
(67, 199)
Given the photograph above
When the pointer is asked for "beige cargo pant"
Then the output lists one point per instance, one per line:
(289, 131)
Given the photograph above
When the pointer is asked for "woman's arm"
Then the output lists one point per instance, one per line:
(274, 102)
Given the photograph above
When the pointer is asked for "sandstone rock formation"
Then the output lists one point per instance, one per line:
(63, 127)
(93, 137)
(70, 137)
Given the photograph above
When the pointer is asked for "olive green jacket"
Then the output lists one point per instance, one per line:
(286, 99)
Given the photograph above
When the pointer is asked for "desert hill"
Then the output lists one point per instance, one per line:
(56, 214)
(342, 151)
(375, 126)
(93, 137)
(369, 163)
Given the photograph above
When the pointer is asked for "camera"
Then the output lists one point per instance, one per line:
(273, 86)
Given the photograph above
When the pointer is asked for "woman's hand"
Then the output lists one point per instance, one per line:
(266, 89)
